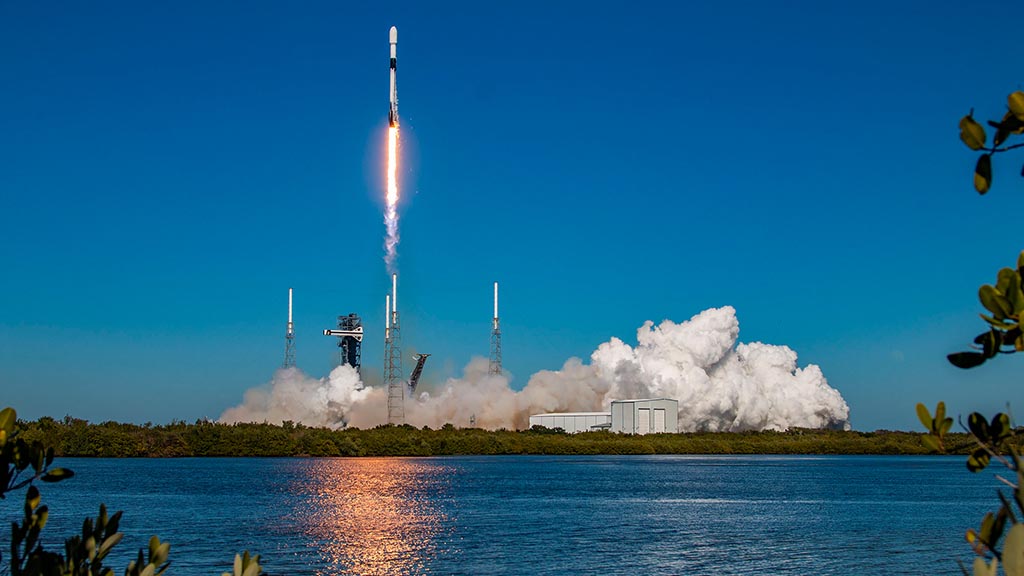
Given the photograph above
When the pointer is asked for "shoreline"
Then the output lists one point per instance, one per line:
(71, 437)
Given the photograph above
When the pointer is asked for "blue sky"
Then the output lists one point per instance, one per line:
(168, 171)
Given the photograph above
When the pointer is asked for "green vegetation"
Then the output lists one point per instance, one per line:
(24, 459)
(996, 438)
(1004, 300)
(73, 437)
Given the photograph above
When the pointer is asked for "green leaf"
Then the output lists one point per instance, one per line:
(983, 173)
(109, 543)
(994, 301)
(940, 414)
(1016, 103)
(966, 360)
(254, 568)
(930, 442)
(924, 416)
(997, 323)
(1013, 551)
(999, 525)
(161, 554)
(972, 133)
(999, 428)
(982, 569)
(32, 498)
(57, 474)
(991, 343)
(1020, 263)
(945, 426)
(979, 426)
(8, 416)
(978, 461)
(986, 528)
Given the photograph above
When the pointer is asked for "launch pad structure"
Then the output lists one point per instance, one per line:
(393, 357)
(494, 366)
(289, 337)
(350, 340)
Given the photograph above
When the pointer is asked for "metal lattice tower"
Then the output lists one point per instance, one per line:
(289, 337)
(494, 367)
(350, 339)
(393, 357)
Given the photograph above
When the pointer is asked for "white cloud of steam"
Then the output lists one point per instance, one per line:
(720, 385)
(337, 400)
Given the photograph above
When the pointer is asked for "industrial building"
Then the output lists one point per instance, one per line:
(573, 422)
(642, 416)
(646, 416)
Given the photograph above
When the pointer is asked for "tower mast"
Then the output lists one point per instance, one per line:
(494, 366)
(289, 337)
(393, 357)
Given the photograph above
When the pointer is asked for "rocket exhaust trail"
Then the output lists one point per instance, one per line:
(391, 210)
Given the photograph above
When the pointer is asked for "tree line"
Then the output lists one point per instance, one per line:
(77, 437)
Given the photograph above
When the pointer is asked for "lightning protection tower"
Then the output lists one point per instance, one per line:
(494, 367)
(393, 357)
(350, 340)
(289, 337)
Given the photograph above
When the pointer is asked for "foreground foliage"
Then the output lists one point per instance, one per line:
(993, 438)
(26, 458)
(74, 437)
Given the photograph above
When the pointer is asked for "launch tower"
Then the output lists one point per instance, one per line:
(289, 337)
(494, 367)
(393, 357)
(350, 339)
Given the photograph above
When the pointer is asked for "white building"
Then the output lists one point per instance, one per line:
(647, 416)
(573, 422)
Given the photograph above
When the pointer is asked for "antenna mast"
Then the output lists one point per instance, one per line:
(289, 337)
(494, 367)
(393, 357)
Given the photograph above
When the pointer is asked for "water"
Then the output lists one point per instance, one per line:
(535, 514)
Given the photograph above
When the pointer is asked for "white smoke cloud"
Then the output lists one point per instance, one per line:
(338, 400)
(720, 386)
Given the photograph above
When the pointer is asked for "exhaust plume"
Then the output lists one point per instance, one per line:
(391, 210)
(720, 386)
(336, 401)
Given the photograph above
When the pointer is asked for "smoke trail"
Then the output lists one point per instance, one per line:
(720, 386)
(391, 211)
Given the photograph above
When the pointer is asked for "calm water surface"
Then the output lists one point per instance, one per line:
(536, 514)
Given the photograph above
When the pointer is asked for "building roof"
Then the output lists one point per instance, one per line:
(647, 400)
(608, 414)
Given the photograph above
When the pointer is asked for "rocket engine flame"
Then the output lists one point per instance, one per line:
(391, 211)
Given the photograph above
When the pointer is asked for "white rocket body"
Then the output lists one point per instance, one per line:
(393, 109)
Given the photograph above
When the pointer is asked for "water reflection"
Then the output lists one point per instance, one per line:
(375, 515)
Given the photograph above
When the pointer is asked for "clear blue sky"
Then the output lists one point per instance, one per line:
(168, 170)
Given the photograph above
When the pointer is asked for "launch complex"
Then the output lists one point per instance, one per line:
(349, 328)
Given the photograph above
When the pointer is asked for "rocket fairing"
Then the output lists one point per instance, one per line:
(393, 109)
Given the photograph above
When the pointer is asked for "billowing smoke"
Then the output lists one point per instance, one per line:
(338, 400)
(720, 386)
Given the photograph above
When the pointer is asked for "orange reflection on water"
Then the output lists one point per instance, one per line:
(376, 515)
